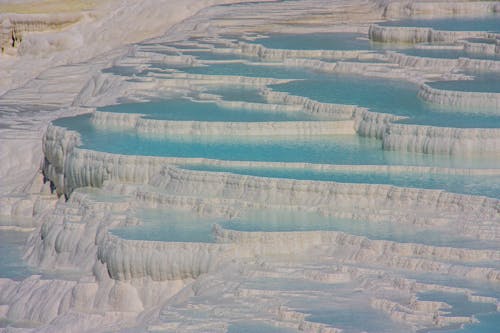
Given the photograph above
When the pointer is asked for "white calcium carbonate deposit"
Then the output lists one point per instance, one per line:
(256, 253)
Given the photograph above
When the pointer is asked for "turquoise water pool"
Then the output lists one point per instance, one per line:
(121, 70)
(185, 110)
(488, 323)
(348, 320)
(482, 40)
(489, 23)
(251, 70)
(380, 95)
(482, 82)
(390, 96)
(485, 313)
(238, 93)
(171, 225)
(12, 265)
(338, 149)
(475, 185)
(461, 306)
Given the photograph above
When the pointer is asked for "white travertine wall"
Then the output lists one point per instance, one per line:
(390, 34)
(438, 65)
(462, 99)
(164, 128)
(442, 140)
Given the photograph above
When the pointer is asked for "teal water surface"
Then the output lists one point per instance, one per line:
(251, 70)
(12, 265)
(170, 225)
(474, 185)
(488, 323)
(390, 96)
(238, 93)
(338, 149)
(186, 110)
(482, 82)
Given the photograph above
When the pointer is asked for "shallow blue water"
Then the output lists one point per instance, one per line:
(12, 265)
(489, 318)
(349, 320)
(488, 323)
(482, 40)
(387, 96)
(168, 225)
(486, 23)
(330, 304)
(283, 221)
(242, 69)
(482, 82)
(475, 185)
(461, 306)
(184, 109)
(238, 93)
(121, 70)
(339, 149)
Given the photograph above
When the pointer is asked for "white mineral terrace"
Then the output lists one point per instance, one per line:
(95, 238)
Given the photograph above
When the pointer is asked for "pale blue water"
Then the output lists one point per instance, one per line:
(460, 305)
(185, 46)
(340, 305)
(121, 70)
(489, 318)
(184, 110)
(475, 185)
(12, 265)
(349, 320)
(206, 55)
(238, 93)
(488, 323)
(482, 82)
(489, 23)
(168, 225)
(381, 95)
(348, 149)
(251, 70)
(482, 40)
(387, 96)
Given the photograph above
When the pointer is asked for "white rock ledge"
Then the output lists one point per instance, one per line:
(165, 128)
(391, 34)
(461, 99)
